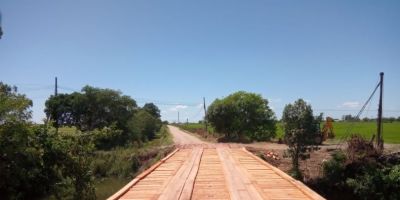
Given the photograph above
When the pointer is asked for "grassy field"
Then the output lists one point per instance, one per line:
(391, 131)
(192, 127)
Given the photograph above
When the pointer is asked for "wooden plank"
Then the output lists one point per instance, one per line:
(303, 188)
(138, 191)
(210, 182)
(177, 183)
(189, 184)
(240, 187)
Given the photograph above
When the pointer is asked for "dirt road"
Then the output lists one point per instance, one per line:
(181, 137)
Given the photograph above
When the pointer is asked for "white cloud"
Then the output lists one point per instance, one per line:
(200, 105)
(350, 104)
(178, 107)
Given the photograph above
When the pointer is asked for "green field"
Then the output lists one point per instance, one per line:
(192, 127)
(391, 131)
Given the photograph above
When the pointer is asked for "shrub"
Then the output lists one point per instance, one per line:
(377, 183)
(334, 169)
(242, 115)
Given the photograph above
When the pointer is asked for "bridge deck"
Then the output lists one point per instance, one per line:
(214, 173)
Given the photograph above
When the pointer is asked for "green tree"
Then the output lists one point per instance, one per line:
(144, 125)
(152, 109)
(91, 109)
(35, 162)
(242, 115)
(301, 129)
(13, 106)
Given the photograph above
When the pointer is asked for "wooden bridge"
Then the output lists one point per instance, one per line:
(214, 172)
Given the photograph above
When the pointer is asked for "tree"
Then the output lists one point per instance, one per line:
(33, 160)
(13, 106)
(152, 109)
(242, 115)
(91, 109)
(350, 118)
(144, 126)
(301, 129)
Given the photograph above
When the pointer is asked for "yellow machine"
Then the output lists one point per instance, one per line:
(327, 129)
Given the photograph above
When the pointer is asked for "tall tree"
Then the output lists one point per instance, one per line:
(92, 108)
(152, 109)
(301, 129)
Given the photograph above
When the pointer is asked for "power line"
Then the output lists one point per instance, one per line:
(351, 126)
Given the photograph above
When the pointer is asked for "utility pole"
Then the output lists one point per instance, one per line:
(56, 87)
(379, 139)
(178, 117)
(55, 94)
(1, 31)
(205, 113)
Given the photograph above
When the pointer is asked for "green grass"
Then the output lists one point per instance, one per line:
(108, 186)
(391, 131)
(192, 127)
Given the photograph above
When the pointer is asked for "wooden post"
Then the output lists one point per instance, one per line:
(55, 88)
(379, 137)
(55, 94)
(205, 113)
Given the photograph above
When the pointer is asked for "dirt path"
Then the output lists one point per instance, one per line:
(181, 138)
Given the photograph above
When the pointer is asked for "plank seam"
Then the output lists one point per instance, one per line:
(197, 171)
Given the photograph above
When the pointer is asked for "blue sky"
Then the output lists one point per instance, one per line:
(175, 53)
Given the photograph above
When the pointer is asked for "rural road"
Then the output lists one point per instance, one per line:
(181, 137)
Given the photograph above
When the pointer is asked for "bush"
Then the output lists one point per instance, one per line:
(362, 171)
(107, 137)
(124, 162)
(242, 115)
(360, 150)
(377, 183)
(143, 126)
(334, 169)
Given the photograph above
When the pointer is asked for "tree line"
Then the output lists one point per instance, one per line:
(351, 118)
(37, 160)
